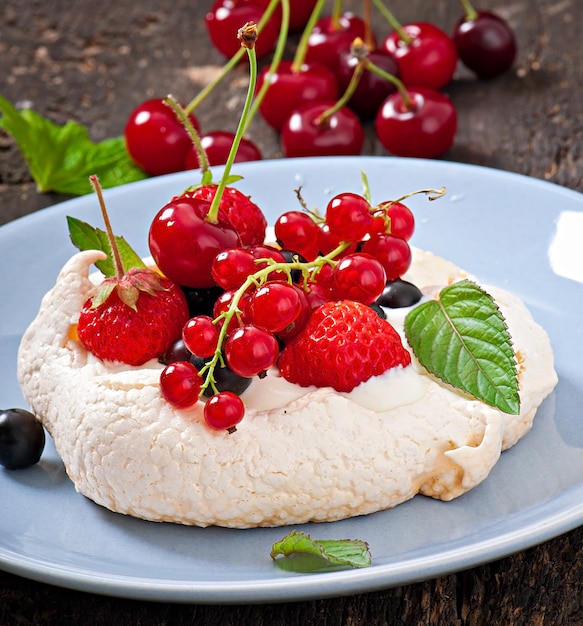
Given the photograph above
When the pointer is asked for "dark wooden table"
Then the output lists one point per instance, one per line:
(94, 62)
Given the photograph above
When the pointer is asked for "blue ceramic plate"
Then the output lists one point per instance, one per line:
(519, 233)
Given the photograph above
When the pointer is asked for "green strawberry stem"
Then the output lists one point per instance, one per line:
(275, 61)
(248, 36)
(393, 22)
(471, 13)
(119, 269)
(302, 49)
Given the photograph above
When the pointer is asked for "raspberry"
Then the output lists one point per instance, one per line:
(344, 344)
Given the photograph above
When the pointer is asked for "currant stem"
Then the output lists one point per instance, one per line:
(432, 194)
(247, 32)
(191, 130)
(119, 269)
(275, 61)
(393, 22)
(471, 13)
(302, 49)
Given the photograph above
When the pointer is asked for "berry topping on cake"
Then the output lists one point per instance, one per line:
(343, 345)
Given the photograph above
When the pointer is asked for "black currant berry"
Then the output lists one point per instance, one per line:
(22, 439)
(399, 293)
(225, 378)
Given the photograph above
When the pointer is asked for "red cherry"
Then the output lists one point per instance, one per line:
(304, 134)
(426, 130)
(226, 17)
(372, 89)
(155, 139)
(429, 60)
(485, 44)
(290, 88)
(217, 145)
(331, 37)
(184, 243)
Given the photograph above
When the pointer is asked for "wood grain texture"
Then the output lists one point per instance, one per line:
(94, 62)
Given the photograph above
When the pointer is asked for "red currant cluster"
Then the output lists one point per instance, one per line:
(339, 77)
(267, 294)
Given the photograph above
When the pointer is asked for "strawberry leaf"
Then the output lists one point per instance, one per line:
(330, 552)
(87, 237)
(60, 158)
(462, 338)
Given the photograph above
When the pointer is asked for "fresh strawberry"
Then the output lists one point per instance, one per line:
(133, 319)
(343, 344)
(243, 214)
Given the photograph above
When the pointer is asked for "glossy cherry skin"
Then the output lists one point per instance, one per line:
(217, 145)
(304, 135)
(299, 12)
(328, 38)
(372, 89)
(486, 45)
(226, 17)
(184, 243)
(429, 60)
(155, 139)
(290, 88)
(426, 130)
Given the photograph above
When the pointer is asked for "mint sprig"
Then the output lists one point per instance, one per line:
(87, 237)
(60, 158)
(462, 338)
(329, 552)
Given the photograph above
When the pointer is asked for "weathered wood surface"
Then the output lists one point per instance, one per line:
(93, 62)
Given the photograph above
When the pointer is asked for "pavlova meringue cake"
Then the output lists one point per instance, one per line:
(301, 454)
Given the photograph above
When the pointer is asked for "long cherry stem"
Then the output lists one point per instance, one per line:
(302, 49)
(392, 20)
(471, 13)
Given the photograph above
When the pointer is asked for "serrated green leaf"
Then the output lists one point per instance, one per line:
(61, 158)
(87, 237)
(343, 552)
(462, 338)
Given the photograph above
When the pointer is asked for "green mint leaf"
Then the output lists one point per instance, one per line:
(87, 237)
(329, 552)
(61, 158)
(462, 338)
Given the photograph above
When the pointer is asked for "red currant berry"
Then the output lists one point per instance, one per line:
(291, 87)
(393, 253)
(429, 60)
(184, 243)
(301, 319)
(201, 336)
(297, 231)
(180, 384)
(305, 132)
(224, 411)
(155, 138)
(217, 146)
(426, 129)
(402, 221)
(224, 302)
(328, 241)
(485, 44)
(274, 306)
(348, 216)
(232, 267)
(266, 255)
(250, 350)
(359, 277)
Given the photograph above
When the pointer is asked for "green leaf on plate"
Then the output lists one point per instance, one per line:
(61, 158)
(87, 237)
(330, 552)
(462, 338)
